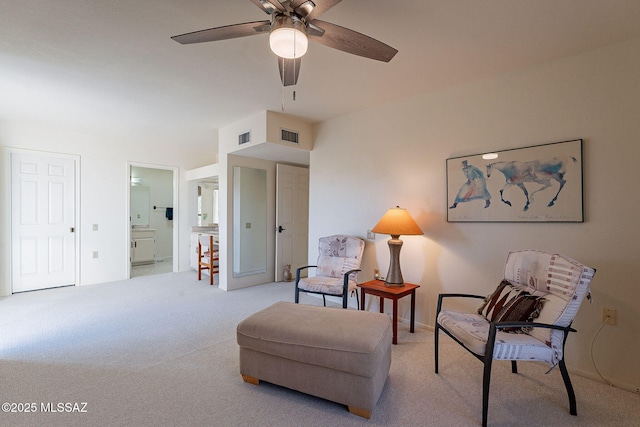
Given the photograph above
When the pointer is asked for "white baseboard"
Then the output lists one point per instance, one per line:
(614, 383)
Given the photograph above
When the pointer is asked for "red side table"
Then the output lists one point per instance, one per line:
(378, 288)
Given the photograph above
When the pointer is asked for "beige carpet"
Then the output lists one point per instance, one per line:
(161, 350)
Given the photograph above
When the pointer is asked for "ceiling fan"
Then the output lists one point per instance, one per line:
(292, 24)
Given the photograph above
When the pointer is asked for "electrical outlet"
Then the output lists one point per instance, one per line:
(371, 235)
(95, 227)
(95, 254)
(612, 313)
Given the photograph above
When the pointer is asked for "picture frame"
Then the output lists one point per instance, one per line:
(541, 183)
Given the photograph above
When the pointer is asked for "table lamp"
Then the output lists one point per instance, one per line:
(395, 222)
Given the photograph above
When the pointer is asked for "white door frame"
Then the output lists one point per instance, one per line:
(176, 216)
(8, 262)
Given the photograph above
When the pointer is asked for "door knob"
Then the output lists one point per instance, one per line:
(280, 229)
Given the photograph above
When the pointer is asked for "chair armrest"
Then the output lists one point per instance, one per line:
(299, 269)
(443, 296)
(351, 272)
(494, 326)
(346, 278)
(521, 324)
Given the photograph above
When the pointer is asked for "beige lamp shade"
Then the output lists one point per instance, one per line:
(396, 222)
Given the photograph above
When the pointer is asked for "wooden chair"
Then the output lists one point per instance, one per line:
(208, 256)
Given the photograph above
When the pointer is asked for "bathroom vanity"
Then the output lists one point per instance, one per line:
(143, 246)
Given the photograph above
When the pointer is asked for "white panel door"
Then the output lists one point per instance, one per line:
(292, 218)
(43, 249)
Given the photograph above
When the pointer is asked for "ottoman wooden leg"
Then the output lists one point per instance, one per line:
(360, 412)
(250, 379)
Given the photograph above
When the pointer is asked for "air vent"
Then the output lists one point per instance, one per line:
(243, 138)
(289, 136)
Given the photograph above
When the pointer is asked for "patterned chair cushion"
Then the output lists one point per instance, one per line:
(473, 329)
(338, 254)
(325, 285)
(562, 281)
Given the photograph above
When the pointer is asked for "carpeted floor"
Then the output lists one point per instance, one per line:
(161, 350)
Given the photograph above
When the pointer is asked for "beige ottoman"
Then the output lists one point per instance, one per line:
(336, 354)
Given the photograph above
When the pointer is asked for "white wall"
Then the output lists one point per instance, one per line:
(262, 126)
(366, 162)
(275, 122)
(103, 190)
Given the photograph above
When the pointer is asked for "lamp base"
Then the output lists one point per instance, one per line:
(394, 275)
(393, 285)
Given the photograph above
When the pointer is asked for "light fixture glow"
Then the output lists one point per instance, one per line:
(287, 38)
(490, 156)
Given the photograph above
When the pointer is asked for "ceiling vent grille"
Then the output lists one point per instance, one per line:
(244, 138)
(289, 136)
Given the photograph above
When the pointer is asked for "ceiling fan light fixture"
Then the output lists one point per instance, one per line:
(288, 38)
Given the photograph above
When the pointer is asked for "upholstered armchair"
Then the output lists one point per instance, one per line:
(339, 259)
(528, 317)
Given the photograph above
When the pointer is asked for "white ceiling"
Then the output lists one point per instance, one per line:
(110, 66)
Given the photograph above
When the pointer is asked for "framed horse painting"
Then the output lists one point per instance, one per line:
(542, 183)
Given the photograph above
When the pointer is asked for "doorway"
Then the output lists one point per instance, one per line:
(152, 210)
(44, 201)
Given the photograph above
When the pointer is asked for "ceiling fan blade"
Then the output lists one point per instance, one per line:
(224, 33)
(351, 41)
(289, 70)
(312, 9)
(270, 6)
